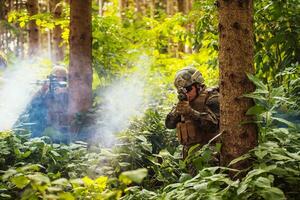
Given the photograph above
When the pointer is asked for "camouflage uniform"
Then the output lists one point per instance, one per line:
(202, 123)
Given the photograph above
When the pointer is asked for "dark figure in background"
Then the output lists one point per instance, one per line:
(47, 112)
(196, 115)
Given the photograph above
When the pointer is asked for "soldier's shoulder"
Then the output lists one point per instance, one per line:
(213, 95)
(213, 90)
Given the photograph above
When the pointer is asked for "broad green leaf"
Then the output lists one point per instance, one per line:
(136, 176)
(22, 24)
(8, 174)
(66, 196)
(39, 178)
(262, 182)
(61, 181)
(87, 181)
(260, 154)
(200, 187)
(20, 181)
(273, 193)
(184, 177)
(256, 110)
(101, 182)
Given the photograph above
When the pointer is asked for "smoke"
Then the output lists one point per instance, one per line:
(123, 100)
(16, 90)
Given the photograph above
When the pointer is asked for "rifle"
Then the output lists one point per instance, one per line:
(182, 97)
(54, 84)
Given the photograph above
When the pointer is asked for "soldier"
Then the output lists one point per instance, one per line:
(47, 111)
(196, 115)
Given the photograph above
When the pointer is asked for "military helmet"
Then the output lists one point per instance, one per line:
(59, 71)
(188, 76)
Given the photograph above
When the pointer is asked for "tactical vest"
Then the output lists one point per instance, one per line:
(57, 112)
(190, 131)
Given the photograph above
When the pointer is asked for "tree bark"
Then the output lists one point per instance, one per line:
(170, 7)
(33, 31)
(101, 3)
(236, 59)
(182, 6)
(80, 70)
(57, 48)
(122, 8)
(2, 9)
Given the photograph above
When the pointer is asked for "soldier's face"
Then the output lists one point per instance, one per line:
(192, 94)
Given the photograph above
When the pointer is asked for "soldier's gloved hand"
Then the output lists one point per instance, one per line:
(60, 90)
(183, 108)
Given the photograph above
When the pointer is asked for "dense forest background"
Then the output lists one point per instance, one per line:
(122, 149)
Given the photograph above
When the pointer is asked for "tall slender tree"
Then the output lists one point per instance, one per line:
(80, 70)
(236, 59)
(33, 31)
(58, 51)
(101, 4)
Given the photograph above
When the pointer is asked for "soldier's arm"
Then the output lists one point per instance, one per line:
(172, 119)
(209, 118)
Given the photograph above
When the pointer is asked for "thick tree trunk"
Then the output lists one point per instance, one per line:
(57, 48)
(236, 59)
(33, 31)
(80, 70)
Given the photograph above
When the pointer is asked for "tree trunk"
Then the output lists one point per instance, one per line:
(101, 3)
(2, 9)
(182, 6)
(122, 8)
(170, 7)
(236, 59)
(80, 70)
(57, 48)
(152, 8)
(33, 31)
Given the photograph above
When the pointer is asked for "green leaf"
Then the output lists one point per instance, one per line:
(39, 178)
(136, 176)
(260, 154)
(22, 24)
(61, 181)
(256, 110)
(273, 193)
(241, 158)
(26, 154)
(262, 182)
(66, 196)
(257, 82)
(184, 177)
(20, 181)
(218, 147)
(290, 124)
(8, 174)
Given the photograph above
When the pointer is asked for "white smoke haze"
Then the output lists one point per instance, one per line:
(16, 91)
(123, 100)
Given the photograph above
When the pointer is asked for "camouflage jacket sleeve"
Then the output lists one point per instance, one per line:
(172, 119)
(210, 118)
